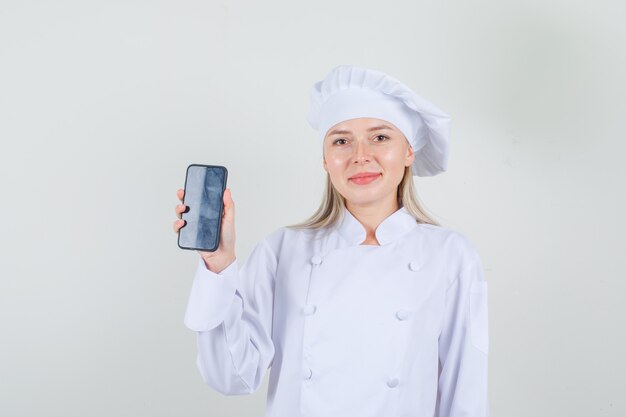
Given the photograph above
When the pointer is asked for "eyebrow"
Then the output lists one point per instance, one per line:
(371, 129)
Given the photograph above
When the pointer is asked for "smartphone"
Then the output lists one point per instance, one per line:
(204, 198)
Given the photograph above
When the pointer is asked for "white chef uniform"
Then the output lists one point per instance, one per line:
(395, 330)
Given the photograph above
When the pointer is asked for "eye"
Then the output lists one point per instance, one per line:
(382, 136)
(340, 139)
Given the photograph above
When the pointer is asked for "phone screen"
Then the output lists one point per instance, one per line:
(204, 190)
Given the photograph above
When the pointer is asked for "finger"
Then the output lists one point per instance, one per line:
(229, 204)
(180, 209)
(228, 198)
(178, 224)
(180, 194)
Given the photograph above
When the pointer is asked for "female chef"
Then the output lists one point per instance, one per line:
(369, 308)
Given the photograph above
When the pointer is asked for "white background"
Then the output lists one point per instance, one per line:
(104, 104)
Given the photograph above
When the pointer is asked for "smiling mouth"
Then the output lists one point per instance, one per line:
(366, 179)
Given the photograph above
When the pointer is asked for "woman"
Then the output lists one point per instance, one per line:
(369, 308)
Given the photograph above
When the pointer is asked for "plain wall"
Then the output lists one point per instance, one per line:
(104, 104)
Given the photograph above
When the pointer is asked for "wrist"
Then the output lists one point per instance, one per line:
(218, 265)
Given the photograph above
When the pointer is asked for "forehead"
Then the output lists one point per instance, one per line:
(361, 124)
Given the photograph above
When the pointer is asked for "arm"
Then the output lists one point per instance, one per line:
(232, 315)
(463, 347)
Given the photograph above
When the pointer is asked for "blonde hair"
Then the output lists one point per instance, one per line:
(333, 204)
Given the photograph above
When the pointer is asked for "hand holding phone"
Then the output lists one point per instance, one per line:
(207, 216)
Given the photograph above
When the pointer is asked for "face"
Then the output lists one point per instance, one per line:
(365, 159)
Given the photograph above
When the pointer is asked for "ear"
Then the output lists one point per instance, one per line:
(324, 164)
(410, 156)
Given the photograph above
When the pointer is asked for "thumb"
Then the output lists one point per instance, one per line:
(229, 204)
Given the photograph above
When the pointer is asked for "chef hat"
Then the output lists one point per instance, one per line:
(350, 92)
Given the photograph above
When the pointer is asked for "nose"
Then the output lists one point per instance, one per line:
(362, 153)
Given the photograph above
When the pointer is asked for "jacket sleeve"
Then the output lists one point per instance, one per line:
(463, 346)
(232, 315)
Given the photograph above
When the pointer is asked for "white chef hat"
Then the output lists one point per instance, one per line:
(350, 92)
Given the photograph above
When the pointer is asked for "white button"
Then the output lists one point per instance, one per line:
(413, 266)
(316, 260)
(307, 373)
(392, 382)
(309, 309)
(402, 314)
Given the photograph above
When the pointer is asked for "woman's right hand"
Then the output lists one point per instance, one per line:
(225, 254)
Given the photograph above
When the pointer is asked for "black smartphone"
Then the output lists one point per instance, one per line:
(204, 198)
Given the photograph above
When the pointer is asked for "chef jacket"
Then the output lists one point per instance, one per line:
(396, 329)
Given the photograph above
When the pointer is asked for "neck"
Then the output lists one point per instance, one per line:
(371, 215)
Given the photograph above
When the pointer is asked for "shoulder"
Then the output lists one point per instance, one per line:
(271, 247)
(288, 236)
(451, 239)
(455, 247)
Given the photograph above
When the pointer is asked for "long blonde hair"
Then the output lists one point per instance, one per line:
(333, 204)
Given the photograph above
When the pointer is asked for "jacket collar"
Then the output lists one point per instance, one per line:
(390, 229)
